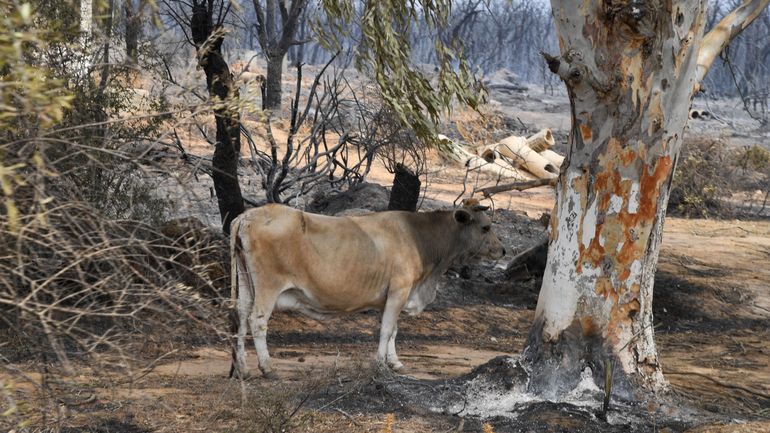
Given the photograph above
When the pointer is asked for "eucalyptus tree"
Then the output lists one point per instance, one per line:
(631, 69)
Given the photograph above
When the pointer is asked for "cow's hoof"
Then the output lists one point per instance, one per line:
(270, 375)
(240, 375)
(396, 366)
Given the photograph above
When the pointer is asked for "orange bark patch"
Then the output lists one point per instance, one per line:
(621, 315)
(588, 326)
(627, 157)
(604, 287)
(649, 190)
(585, 132)
(625, 274)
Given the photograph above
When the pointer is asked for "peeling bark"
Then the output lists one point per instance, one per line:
(631, 69)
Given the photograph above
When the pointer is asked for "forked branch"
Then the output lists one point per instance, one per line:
(731, 25)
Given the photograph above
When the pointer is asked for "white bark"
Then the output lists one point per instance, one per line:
(728, 28)
(631, 72)
(86, 29)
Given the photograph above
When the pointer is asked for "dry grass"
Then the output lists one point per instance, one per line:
(477, 128)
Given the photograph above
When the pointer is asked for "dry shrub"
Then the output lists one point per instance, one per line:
(702, 181)
(276, 409)
(755, 158)
(478, 128)
(86, 290)
(712, 180)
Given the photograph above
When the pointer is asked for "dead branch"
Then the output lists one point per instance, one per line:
(517, 186)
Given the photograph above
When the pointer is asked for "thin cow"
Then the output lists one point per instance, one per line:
(286, 259)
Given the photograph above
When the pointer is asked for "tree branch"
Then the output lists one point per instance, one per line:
(731, 25)
(518, 186)
(262, 35)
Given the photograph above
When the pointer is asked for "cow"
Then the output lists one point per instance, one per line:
(286, 259)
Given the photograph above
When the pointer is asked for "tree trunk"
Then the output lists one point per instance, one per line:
(221, 87)
(133, 30)
(273, 81)
(631, 69)
(107, 34)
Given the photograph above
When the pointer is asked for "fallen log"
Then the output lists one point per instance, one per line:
(541, 141)
(531, 263)
(553, 157)
(516, 149)
(499, 169)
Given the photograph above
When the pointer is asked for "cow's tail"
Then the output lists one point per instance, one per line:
(233, 313)
(235, 226)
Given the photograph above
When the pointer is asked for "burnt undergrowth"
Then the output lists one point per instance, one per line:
(456, 401)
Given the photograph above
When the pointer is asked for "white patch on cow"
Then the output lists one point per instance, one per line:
(616, 204)
(589, 223)
(633, 198)
(620, 246)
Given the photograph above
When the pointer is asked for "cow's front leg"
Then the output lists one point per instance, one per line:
(386, 352)
(392, 358)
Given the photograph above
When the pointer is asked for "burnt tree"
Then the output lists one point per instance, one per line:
(208, 37)
(406, 190)
(275, 41)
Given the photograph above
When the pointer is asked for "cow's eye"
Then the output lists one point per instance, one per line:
(486, 229)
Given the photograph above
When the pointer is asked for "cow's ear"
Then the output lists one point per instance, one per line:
(462, 216)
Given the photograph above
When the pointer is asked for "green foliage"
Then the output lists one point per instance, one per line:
(384, 50)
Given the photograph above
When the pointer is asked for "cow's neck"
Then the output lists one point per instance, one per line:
(438, 239)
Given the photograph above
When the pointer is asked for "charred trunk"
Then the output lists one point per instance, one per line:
(133, 30)
(219, 81)
(273, 82)
(406, 190)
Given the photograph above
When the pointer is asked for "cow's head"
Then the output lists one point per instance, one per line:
(478, 240)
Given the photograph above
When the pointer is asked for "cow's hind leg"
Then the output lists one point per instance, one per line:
(264, 302)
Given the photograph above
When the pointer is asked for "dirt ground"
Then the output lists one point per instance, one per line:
(712, 308)
(712, 311)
